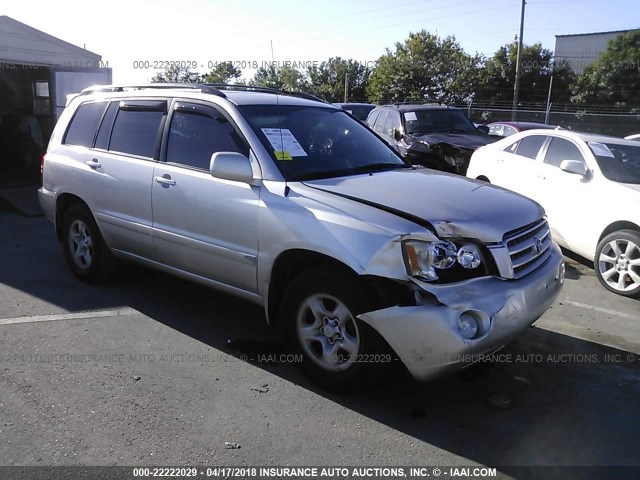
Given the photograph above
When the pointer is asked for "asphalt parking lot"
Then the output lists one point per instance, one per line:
(164, 372)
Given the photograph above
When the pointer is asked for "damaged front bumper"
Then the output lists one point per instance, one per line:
(458, 323)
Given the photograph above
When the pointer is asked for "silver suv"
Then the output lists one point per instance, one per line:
(358, 257)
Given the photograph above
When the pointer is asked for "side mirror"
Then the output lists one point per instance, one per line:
(231, 166)
(397, 135)
(573, 166)
(483, 128)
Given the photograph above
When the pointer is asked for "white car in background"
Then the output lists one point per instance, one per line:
(589, 186)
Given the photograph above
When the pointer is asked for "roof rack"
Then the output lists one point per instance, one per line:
(257, 88)
(211, 88)
(121, 88)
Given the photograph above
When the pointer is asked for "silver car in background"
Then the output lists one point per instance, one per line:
(358, 257)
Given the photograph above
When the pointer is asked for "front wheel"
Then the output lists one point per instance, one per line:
(319, 317)
(617, 262)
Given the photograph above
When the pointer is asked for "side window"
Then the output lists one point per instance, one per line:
(371, 119)
(561, 149)
(84, 124)
(136, 128)
(530, 146)
(495, 130)
(393, 121)
(104, 132)
(508, 131)
(198, 132)
(380, 122)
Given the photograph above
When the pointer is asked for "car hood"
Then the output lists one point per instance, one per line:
(462, 140)
(453, 205)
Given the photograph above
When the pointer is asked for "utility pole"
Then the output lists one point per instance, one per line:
(516, 86)
(546, 117)
(346, 87)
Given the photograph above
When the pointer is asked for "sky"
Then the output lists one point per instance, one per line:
(133, 37)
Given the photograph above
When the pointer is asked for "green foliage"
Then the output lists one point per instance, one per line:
(423, 68)
(496, 80)
(284, 77)
(327, 80)
(224, 72)
(175, 73)
(614, 78)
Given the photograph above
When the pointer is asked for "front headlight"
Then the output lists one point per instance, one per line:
(424, 259)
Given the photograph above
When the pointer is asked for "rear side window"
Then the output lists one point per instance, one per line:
(530, 146)
(561, 149)
(84, 124)
(136, 129)
(379, 127)
(371, 119)
(195, 135)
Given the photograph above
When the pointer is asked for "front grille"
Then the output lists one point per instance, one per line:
(528, 247)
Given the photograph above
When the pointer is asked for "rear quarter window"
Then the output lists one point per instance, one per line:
(84, 124)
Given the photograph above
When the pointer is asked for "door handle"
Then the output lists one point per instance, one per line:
(93, 163)
(165, 181)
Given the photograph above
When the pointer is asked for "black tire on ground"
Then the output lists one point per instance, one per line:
(617, 262)
(328, 291)
(86, 253)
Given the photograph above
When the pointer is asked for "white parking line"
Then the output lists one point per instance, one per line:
(602, 310)
(69, 316)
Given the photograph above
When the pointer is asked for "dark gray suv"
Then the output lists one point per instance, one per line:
(436, 136)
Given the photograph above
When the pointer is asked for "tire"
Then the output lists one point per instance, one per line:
(482, 178)
(617, 262)
(86, 253)
(318, 314)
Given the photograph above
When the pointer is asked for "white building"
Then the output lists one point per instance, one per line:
(582, 49)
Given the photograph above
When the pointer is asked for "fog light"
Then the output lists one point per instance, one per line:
(561, 273)
(468, 325)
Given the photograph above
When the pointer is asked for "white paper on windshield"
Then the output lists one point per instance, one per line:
(410, 116)
(600, 149)
(282, 140)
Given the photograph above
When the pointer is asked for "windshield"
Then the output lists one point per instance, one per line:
(438, 120)
(620, 163)
(315, 142)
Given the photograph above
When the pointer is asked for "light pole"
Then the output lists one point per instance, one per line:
(516, 86)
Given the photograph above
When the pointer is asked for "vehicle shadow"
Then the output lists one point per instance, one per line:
(547, 399)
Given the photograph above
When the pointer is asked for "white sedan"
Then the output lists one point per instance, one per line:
(590, 187)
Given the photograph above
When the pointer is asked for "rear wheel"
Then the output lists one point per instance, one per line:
(318, 315)
(84, 248)
(617, 262)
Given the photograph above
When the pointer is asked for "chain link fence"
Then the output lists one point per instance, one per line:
(619, 124)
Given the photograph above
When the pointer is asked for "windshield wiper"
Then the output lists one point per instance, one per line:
(373, 167)
(376, 167)
(455, 130)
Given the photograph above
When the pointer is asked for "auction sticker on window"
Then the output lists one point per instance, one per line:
(282, 140)
(410, 116)
(600, 149)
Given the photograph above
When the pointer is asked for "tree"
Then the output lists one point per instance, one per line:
(423, 68)
(282, 77)
(613, 79)
(176, 73)
(496, 79)
(327, 80)
(223, 72)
